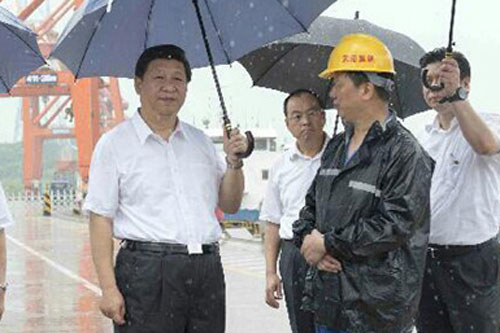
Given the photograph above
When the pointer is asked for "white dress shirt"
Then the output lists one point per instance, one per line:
(465, 191)
(5, 216)
(157, 190)
(289, 179)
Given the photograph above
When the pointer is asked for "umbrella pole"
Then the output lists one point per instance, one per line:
(449, 49)
(225, 118)
(449, 52)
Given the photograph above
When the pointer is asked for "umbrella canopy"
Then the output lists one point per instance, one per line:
(296, 61)
(106, 39)
(19, 52)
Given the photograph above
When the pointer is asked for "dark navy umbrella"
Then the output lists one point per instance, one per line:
(19, 52)
(105, 38)
(296, 61)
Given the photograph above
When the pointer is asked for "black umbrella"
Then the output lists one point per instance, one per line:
(296, 61)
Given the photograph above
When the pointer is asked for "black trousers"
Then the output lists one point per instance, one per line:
(171, 293)
(461, 292)
(293, 268)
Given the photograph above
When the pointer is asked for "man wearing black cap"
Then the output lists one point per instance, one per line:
(155, 183)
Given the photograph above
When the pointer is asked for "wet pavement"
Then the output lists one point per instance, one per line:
(53, 287)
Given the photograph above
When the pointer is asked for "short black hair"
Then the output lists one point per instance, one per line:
(358, 78)
(300, 92)
(439, 54)
(164, 51)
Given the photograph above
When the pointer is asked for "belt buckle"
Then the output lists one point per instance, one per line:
(195, 249)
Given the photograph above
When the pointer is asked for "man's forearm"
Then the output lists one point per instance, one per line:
(231, 191)
(272, 246)
(101, 243)
(477, 133)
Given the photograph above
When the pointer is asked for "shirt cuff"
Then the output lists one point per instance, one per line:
(98, 209)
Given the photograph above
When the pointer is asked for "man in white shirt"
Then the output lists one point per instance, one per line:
(5, 220)
(155, 183)
(290, 178)
(461, 284)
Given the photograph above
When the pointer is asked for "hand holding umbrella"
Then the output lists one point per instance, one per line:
(449, 51)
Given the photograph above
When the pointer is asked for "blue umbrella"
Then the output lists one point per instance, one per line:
(106, 37)
(19, 52)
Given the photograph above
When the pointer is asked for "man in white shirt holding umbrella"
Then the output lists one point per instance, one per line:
(461, 289)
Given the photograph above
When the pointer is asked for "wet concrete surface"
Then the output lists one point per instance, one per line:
(53, 287)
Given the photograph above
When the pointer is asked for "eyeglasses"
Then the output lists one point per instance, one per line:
(310, 114)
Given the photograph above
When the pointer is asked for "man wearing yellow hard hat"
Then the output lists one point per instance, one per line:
(365, 225)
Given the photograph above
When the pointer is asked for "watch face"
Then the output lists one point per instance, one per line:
(462, 93)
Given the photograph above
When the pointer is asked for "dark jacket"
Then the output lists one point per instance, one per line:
(374, 213)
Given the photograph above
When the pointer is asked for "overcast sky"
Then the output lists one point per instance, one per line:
(426, 21)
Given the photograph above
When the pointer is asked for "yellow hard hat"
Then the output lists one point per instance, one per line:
(359, 53)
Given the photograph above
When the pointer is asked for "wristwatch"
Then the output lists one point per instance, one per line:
(461, 94)
(3, 286)
(236, 166)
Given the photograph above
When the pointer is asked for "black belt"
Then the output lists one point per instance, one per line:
(438, 250)
(167, 248)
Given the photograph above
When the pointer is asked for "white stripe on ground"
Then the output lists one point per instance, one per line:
(87, 284)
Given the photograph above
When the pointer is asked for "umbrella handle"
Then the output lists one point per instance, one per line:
(426, 83)
(250, 145)
(250, 139)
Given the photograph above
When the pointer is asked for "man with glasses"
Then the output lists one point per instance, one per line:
(290, 177)
(368, 206)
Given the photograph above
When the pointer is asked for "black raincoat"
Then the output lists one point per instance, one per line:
(374, 212)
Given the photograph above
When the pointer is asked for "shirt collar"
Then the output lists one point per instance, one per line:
(144, 131)
(389, 121)
(434, 126)
(295, 153)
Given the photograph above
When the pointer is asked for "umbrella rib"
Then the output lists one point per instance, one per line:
(146, 35)
(219, 37)
(304, 28)
(22, 40)
(275, 62)
(88, 44)
(4, 83)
